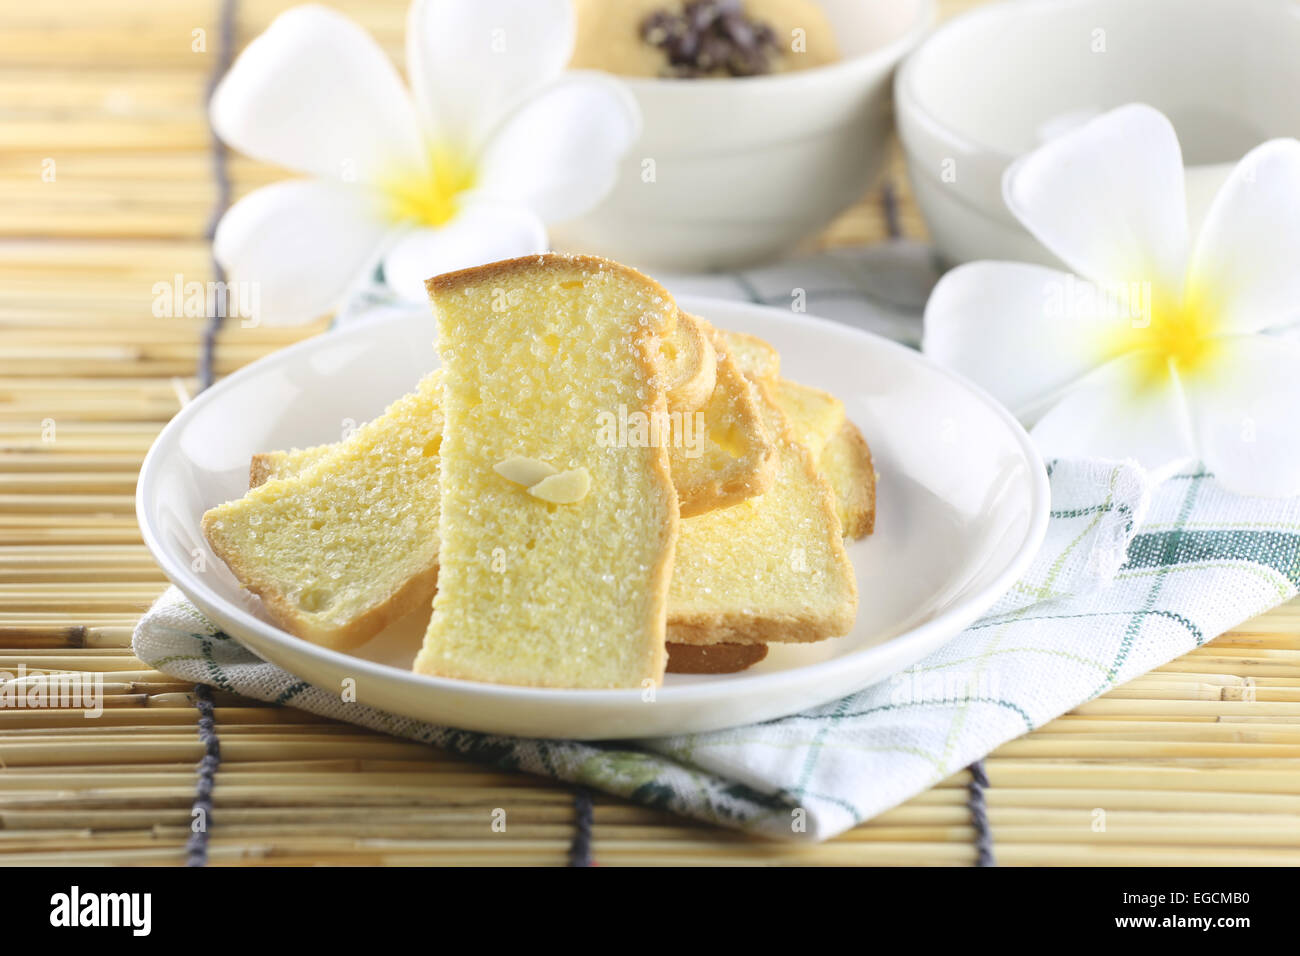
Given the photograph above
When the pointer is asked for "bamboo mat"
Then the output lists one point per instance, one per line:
(105, 189)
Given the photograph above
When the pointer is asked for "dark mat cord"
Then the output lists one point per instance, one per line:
(889, 206)
(979, 815)
(583, 812)
(196, 849)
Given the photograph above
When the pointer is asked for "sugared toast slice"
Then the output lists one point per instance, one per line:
(812, 414)
(689, 363)
(846, 463)
(756, 358)
(558, 581)
(772, 568)
(819, 422)
(732, 456)
(349, 543)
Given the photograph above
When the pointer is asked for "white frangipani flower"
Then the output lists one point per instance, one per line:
(1154, 351)
(492, 141)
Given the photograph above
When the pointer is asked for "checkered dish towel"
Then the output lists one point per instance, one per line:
(1128, 578)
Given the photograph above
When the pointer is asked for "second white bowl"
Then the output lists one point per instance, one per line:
(995, 83)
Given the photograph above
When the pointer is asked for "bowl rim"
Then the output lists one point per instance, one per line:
(951, 619)
(908, 99)
(888, 54)
(912, 108)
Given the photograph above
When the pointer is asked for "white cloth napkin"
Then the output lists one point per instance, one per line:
(1128, 578)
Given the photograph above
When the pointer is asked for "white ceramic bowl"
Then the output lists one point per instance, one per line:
(963, 504)
(995, 83)
(746, 168)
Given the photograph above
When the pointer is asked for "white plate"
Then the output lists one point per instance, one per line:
(962, 507)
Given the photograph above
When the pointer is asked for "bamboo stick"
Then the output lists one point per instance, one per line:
(181, 795)
(1119, 823)
(1227, 653)
(21, 462)
(1263, 776)
(93, 166)
(74, 637)
(1158, 678)
(9, 655)
(93, 753)
(67, 484)
(106, 367)
(254, 713)
(338, 818)
(1137, 708)
(1167, 731)
(130, 577)
(1246, 667)
(939, 854)
(126, 721)
(1074, 748)
(79, 607)
(143, 675)
(90, 590)
(1183, 837)
(27, 621)
(54, 552)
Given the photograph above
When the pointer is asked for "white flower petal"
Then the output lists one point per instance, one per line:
(481, 232)
(303, 243)
(1107, 198)
(472, 61)
(1246, 414)
(1117, 413)
(1023, 332)
(559, 153)
(316, 94)
(1246, 265)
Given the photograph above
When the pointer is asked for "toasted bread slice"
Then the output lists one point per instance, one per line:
(566, 588)
(713, 658)
(349, 543)
(689, 363)
(769, 569)
(812, 414)
(754, 357)
(730, 453)
(846, 463)
(283, 464)
(819, 422)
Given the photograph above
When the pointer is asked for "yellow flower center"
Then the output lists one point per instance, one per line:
(1169, 334)
(429, 196)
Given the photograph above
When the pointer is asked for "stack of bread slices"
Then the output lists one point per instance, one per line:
(593, 488)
